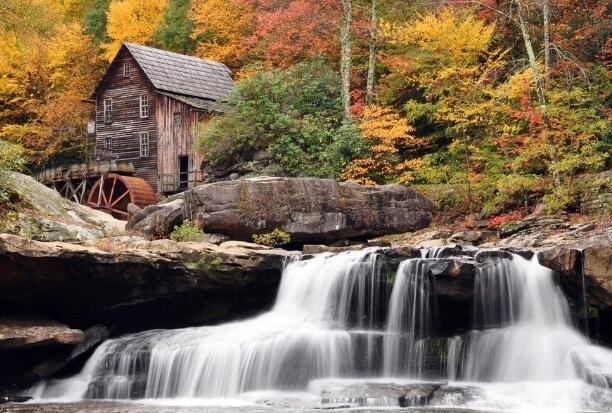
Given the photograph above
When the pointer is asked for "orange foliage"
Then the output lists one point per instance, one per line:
(388, 136)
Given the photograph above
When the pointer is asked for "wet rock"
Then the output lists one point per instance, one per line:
(591, 266)
(525, 253)
(454, 279)
(310, 210)
(14, 399)
(562, 259)
(21, 332)
(33, 347)
(486, 255)
(91, 338)
(396, 255)
(317, 249)
(456, 395)
(377, 394)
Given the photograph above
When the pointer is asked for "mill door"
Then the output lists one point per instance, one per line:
(183, 172)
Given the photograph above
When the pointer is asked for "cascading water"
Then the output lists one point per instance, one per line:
(345, 316)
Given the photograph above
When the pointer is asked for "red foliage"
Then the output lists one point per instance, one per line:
(288, 31)
(498, 220)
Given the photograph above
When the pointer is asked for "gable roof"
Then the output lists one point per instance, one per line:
(180, 74)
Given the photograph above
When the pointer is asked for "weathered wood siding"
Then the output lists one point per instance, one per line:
(126, 121)
(177, 140)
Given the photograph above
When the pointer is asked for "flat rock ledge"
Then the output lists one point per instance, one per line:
(310, 210)
(125, 280)
(34, 347)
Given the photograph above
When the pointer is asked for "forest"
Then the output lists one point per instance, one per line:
(488, 107)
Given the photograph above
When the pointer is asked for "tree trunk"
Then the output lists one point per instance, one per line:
(373, 48)
(546, 17)
(532, 58)
(345, 60)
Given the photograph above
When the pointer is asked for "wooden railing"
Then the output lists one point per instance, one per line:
(179, 181)
(83, 170)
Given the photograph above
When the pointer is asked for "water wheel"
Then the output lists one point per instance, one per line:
(114, 192)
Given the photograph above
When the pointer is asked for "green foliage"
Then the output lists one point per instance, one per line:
(275, 238)
(174, 32)
(95, 20)
(206, 264)
(187, 233)
(12, 158)
(295, 115)
(558, 198)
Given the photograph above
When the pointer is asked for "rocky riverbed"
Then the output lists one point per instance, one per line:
(66, 289)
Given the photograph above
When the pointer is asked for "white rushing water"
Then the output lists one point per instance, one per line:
(345, 316)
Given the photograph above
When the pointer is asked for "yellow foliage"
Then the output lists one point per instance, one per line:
(388, 135)
(132, 20)
(460, 37)
(220, 25)
(43, 86)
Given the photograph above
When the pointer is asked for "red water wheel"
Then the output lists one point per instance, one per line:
(114, 192)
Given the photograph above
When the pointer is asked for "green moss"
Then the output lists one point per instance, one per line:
(205, 264)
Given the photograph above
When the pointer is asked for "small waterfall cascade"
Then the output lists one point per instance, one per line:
(535, 340)
(348, 316)
(411, 315)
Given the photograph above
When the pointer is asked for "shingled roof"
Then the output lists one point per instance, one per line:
(182, 75)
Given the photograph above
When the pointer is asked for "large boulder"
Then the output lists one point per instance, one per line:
(44, 215)
(591, 266)
(311, 210)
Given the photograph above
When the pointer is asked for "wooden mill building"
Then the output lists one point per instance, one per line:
(149, 104)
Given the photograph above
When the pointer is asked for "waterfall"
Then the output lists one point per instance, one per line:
(536, 339)
(346, 316)
(409, 320)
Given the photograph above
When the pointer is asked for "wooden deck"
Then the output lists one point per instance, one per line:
(176, 182)
(84, 171)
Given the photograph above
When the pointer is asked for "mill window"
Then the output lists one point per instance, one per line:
(144, 144)
(108, 143)
(126, 69)
(144, 105)
(176, 122)
(108, 110)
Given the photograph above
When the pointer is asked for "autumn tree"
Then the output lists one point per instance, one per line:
(389, 139)
(42, 92)
(295, 115)
(289, 31)
(174, 32)
(132, 20)
(219, 28)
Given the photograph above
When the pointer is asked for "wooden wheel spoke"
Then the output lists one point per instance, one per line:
(110, 197)
(120, 198)
(114, 196)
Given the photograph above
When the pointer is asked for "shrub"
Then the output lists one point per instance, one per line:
(12, 158)
(558, 198)
(293, 114)
(187, 233)
(272, 239)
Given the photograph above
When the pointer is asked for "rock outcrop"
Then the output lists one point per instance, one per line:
(132, 282)
(45, 216)
(591, 266)
(311, 210)
(34, 347)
